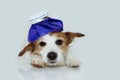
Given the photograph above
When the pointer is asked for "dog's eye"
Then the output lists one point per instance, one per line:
(42, 43)
(59, 42)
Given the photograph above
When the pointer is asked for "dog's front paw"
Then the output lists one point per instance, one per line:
(37, 63)
(73, 63)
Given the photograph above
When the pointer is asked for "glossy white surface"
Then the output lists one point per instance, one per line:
(98, 51)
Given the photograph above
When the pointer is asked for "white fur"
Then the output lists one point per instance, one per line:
(37, 60)
(72, 62)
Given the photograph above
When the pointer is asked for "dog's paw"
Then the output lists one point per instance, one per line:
(72, 63)
(37, 63)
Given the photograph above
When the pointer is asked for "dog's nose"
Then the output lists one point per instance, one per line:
(52, 55)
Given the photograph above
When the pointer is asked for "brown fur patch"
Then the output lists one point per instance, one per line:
(70, 36)
(38, 48)
(62, 36)
(29, 47)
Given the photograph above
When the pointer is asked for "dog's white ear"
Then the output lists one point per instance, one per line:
(71, 35)
(29, 47)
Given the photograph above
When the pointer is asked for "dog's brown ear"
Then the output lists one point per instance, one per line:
(71, 35)
(29, 47)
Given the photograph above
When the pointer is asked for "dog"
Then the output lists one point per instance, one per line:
(52, 50)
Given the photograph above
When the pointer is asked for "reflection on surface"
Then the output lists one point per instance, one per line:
(51, 73)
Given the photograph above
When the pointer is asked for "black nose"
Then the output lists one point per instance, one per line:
(52, 55)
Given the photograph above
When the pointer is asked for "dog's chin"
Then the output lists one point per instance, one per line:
(54, 63)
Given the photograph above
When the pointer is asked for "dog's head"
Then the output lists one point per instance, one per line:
(52, 47)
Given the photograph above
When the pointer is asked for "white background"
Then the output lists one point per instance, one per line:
(98, 51)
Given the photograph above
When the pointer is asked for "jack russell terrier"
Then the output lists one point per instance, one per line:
(48, 45)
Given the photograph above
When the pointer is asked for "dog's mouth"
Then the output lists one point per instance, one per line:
(55, 63)
(52, 61)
